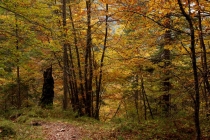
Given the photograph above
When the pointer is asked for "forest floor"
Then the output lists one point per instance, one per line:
(38, 124)
(86, 131)
(95, 130)
(60, 131)
(67, 131)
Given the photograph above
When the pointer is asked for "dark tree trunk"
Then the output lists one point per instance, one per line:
(195, 72)
(79, 89)
(73, 89)
(136, 96)
(167, 62)
(47, 90)
(166, 83)
(88, 72)
(145, 96)
(99, 84)
(65, 59)
(18, 68)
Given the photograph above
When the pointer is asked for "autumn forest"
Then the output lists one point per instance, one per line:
(130, 69)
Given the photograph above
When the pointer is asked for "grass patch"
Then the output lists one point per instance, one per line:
(10, 130)
(162, 129)
(6, 132)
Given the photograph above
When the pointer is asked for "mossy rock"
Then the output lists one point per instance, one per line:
(6, 131)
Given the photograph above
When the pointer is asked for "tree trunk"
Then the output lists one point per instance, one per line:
(65, 62)
(166, 83)
(17, 68)
(143, 97)
(167, 62)
(88, 63)
(195, 73)
(146, 99)
(99, 85)
(47, 90)
(81, 87)
(73, 85)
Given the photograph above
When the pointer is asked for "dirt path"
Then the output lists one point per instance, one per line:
(61, 131)
(83, 131)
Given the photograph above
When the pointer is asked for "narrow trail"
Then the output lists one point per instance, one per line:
(61, 131)
(85, 131)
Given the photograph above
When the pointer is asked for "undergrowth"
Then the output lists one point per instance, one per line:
(17, 124)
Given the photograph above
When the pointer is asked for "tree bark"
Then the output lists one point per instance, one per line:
(81, 87)
(146, 99)
(88, 62)
(167, 62)
(47, 90)
(65, 58)
(143, 97)
(99, 85)
(194, 67)
(73, 89)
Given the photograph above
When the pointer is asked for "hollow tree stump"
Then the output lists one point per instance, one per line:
(47, 90)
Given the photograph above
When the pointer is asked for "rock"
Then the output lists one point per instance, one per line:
(36, 123)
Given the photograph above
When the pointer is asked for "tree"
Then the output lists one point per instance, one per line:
(194, 66)
(84, 63)
(65, 59)
(99, 80)
(170, 7)
(47, 90)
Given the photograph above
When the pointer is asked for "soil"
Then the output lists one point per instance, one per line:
(61, 131)
(66, 131)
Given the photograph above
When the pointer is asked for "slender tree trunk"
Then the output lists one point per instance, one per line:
(88, 62)
(166, 82)
(118, 108)
(73, 82)
(98, 87)
(203, 56)
(194, 67)
(81, 90)
(136, 97)
(65, 58)
(17, 68)
(143, 97)
(75, 95)
(90, 86)
(167, 62)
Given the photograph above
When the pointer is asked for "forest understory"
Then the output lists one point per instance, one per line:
(55, 124)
